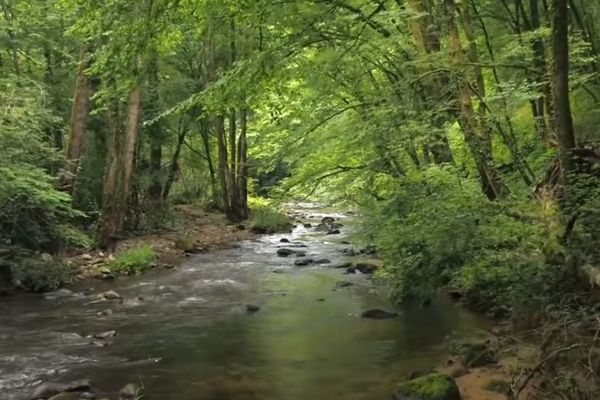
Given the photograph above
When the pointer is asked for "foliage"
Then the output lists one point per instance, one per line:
(266, 218)
(438, 230)
(133, 261)
(33, 213)
(39, 274)
(429, 387)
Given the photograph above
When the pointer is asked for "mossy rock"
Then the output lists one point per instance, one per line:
(475, 354)
(428, 387)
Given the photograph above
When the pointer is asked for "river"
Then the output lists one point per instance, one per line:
(186, 334)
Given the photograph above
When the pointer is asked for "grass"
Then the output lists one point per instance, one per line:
(133, 261)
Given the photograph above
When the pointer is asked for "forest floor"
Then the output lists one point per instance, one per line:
(190, 230)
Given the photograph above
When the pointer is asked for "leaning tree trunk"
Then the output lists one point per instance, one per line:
(476, 136)
(562, 105)
(174, 164)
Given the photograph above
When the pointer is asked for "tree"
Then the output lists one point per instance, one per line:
(564, 118)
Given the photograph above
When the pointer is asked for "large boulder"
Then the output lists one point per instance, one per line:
(428, 387)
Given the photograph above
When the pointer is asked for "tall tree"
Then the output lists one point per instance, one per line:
(564, 119)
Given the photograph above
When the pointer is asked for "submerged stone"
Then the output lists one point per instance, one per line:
(251, 308)
(377, 313)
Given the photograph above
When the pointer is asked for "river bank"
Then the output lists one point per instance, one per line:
(192, 230)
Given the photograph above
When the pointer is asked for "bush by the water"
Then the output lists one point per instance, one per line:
(38, 274)
(266, 218)
(437, 229)
(133, 261)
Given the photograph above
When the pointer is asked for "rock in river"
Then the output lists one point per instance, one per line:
(130, 392)
(49, 389)
(428, 387)
(110, 295)
(105, 335)
(66, 396)
(284, 252)
(343, 284)
(377, 313)
(303, 262)
(251, 308)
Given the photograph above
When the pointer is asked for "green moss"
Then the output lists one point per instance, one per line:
(429, 387)
(474, 354)
(133, 261)
(498, 386)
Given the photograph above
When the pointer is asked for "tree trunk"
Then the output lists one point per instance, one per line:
(233, 188)
(79, 115)
(155, 133)
(118, 185)
(427, 40)
(476, 137)
(510, 137)
(108, 229)
(205, 133)
(174, 164)
(562, 105)
(223, 164)
(242, 172)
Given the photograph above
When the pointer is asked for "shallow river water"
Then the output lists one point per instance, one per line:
(190, 337)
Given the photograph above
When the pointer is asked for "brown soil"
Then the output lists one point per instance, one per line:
(191, 230)
(474, 385)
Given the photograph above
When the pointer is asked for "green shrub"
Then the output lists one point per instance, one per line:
(34, 214)
(133, 261)
(265, 218)
(36, 274)
(438, 229)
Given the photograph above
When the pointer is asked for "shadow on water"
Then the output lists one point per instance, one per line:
(186, 334)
